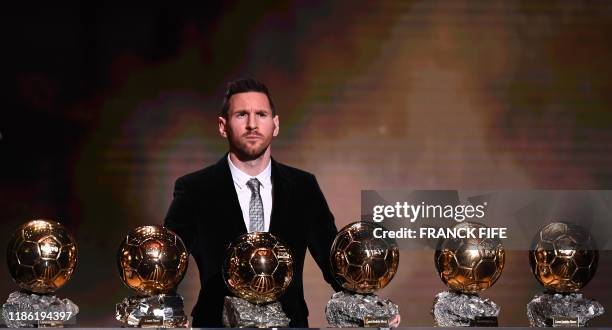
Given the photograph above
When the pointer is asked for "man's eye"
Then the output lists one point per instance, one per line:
(240, 114)
(262, 114)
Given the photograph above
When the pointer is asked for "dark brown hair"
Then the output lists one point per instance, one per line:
(244, 85)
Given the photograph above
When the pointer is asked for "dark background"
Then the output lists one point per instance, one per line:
(104, 106)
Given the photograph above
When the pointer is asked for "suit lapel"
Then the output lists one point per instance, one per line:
(228, 199)
(281, 195)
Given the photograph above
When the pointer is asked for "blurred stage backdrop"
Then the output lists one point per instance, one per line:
(105, 106)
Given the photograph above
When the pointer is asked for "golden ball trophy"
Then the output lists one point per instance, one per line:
(258, 268)
(362, 264)
(467, 266)
(563, 258)
(41, 258)
(152, 260)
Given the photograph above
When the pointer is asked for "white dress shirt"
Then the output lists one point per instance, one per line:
(244, 193)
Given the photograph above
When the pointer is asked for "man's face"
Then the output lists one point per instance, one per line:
(250, 125)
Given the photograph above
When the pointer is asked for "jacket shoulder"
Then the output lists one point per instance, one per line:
(295, 173)
(195, 178)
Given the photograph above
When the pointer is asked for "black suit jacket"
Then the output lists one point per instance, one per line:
(206, 214)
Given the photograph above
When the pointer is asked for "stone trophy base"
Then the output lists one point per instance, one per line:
(356, 310)
(30, 310)
(239, 313)
(156, 311)
(455, 309)
(562, 310)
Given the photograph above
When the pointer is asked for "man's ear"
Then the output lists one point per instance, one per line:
(276, 126)
(222, 127)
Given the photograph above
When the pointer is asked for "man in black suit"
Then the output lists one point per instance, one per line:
(248, 191)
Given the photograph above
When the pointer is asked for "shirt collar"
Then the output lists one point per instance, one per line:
(240, 178)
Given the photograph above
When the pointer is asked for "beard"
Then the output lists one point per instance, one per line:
(247, 151)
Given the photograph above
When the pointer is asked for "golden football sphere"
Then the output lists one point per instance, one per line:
(360, 262)
(563, 257)
(152, 260)
(258, 267)
(469, 265)
(41, 256)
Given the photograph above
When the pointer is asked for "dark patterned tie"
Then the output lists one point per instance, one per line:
(255, 207)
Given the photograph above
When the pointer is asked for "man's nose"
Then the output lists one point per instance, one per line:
(252, 122)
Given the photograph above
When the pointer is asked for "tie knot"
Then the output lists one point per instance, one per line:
(253, 184)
